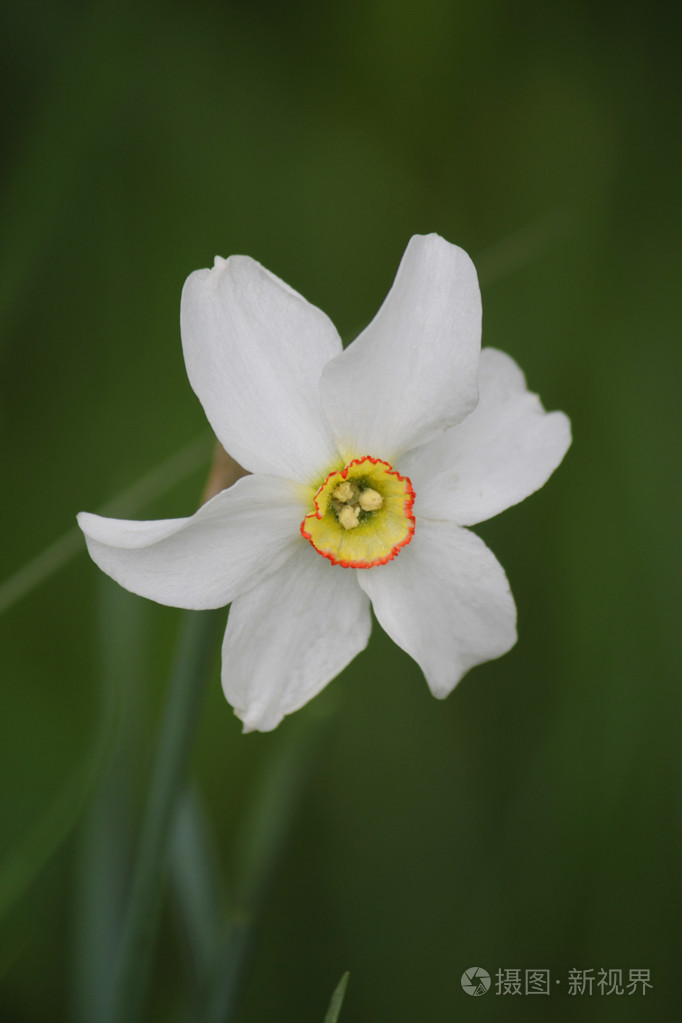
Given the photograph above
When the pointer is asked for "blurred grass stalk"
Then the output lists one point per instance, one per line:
(337, 1000)
(198, 643)
(176, 842)
(105, 838)
(154, 484)
(220, 925)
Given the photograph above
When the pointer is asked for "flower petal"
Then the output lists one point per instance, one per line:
(254, 350)
(412, 372)
(446, 601)
(505, 450)
(234, 540)
(289, 636)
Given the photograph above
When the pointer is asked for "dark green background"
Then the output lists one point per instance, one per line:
(531, 820)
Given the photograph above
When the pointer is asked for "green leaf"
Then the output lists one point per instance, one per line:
(197, 649)
(197, 886)
(106, 836)
(337, 1000)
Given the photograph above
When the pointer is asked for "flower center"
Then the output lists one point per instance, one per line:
(362, 515)
(349, 501)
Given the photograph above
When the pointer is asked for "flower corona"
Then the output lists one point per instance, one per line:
(363, 514)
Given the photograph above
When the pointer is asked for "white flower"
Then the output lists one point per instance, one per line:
(338, 444)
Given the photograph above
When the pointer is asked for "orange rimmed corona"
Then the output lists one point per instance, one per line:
(362, 515)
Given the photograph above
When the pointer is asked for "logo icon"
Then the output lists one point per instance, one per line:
(475, 981)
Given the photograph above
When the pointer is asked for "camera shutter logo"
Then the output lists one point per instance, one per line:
(475, 981)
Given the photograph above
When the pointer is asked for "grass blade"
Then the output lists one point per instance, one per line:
(154, 484)
(197, 650)
(337, 1000)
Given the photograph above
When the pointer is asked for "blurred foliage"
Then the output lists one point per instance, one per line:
(531, 820)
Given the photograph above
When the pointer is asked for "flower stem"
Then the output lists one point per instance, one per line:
(196, 651)
(264, 836)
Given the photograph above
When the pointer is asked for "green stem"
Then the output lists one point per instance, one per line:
(191, 671)
(265, 834)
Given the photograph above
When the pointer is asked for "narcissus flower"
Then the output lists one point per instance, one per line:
(366, 466)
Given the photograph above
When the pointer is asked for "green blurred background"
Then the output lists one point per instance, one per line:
(532, 819)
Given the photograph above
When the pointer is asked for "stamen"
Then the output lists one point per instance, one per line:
(370, 500)
(346, 491)
(348, 517)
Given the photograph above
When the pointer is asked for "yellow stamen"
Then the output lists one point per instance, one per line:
(346, 491)
(370, 500)
(348, 517)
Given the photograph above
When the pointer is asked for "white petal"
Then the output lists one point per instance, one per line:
(446, 601)
(412, 372)
(505, 450)
(289, 636)
(254, 350)
(234, 540)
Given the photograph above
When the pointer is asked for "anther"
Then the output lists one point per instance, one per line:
(348, 517)
(346, 491)
(370, 500)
